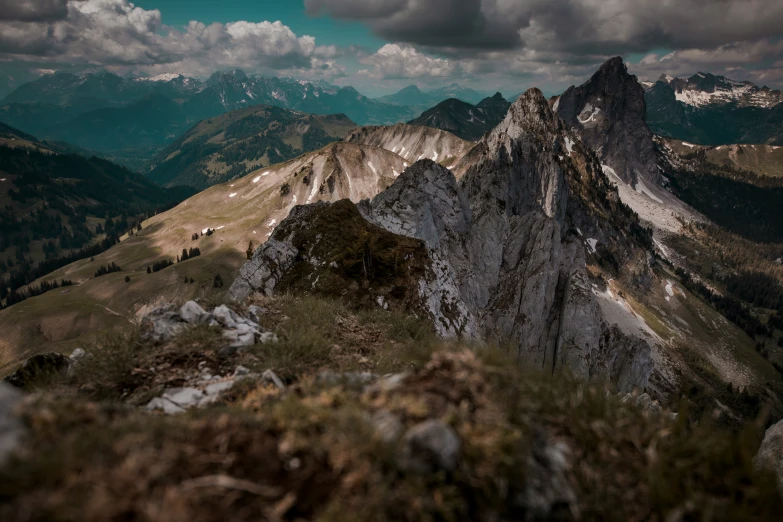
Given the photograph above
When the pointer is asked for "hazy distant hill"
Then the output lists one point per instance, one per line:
(241, 141)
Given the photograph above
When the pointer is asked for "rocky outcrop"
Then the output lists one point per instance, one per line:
(207, 389)
(770, 455)
(609, 113)
(165, 322)
(38, 369)
(331, 250)
(505, 246)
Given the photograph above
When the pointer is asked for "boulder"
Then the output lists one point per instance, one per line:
(192, 313)
(770, 455)
(429, 447)
(38, 369)
(162, 324)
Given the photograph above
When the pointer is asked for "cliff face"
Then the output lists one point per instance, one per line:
(609, 114)
(506, 257)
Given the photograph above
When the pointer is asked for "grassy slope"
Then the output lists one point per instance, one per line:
(764, 160)
(248, 216)
(312, 453)
(215, 149)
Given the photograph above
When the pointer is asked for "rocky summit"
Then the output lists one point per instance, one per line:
(503, 256)
(608, 111)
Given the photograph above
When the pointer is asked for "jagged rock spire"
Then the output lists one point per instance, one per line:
(609, 113)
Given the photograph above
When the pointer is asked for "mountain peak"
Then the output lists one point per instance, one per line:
(532, 108)
(609, 112)
(410, 89)
(530, 114)
(614, 63)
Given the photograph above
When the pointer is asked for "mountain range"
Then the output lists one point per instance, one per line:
(127, 119)
(714, 110)
(565, 231)
(469, 122)
(412, 96)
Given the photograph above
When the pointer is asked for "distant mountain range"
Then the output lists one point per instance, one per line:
(714, 110)
(412, 96)
(130, 120)
(125, 117)
(469, 122)
(236, 143)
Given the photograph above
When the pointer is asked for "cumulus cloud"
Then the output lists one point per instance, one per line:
(553, 40)
(33, 10)
(590, 26)
(117, 33)
(393, 61)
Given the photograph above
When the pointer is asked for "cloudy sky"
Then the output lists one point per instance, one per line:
(380, 46)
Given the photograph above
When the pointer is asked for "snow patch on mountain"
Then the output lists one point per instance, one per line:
(165, 77)
(590, 112)
(569, 145)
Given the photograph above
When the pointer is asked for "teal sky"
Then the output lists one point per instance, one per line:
(327, 31)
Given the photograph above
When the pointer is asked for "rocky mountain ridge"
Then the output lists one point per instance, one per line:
(505, 259)
(704, 89)
(713, 110)
(413, 142)
(467, 121)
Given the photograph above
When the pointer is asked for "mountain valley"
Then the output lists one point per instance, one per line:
(603, 268)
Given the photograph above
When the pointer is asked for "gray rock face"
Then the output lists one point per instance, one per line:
(609, 113)
(11, 429)
(770, 455)
(505, 258)
(263, 277)
(429, 447)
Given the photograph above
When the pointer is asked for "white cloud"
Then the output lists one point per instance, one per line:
(579, 26)
(117, 33)
(403, 61)
(650, 59)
